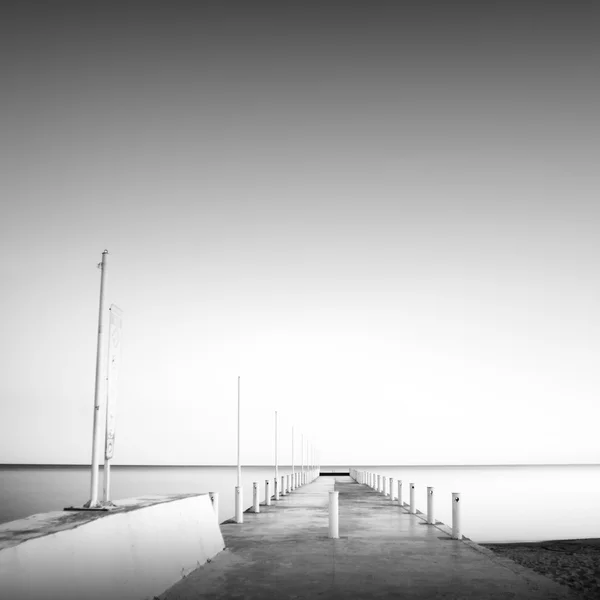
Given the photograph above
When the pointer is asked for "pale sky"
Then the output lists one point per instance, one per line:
(383, 216)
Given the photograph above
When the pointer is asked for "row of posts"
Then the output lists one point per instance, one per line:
(274, 489)
(392, 488)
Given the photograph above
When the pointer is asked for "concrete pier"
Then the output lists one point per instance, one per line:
(383, 551)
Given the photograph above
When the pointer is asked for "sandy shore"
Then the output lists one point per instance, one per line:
(575, 563)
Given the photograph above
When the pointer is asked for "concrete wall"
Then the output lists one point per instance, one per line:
(135, 552)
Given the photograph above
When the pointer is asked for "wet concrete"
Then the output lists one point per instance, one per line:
(383, 552)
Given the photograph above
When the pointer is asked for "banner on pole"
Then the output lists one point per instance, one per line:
(114, 359)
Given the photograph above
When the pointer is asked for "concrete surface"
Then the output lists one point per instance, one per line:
(383, 552)
(131, 553)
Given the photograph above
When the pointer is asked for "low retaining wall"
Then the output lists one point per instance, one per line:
(134, 552)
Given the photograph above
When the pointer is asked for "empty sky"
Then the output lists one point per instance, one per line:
(383, 216)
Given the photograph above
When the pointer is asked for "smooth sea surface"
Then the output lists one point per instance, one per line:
(498, 503)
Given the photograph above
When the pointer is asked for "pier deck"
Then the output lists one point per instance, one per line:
(383, 552)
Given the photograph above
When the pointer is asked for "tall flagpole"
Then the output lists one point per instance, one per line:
(239, 464)
(302, 455)
(93, 501)
(277, 490)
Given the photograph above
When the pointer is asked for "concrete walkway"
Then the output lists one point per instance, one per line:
(383, 552)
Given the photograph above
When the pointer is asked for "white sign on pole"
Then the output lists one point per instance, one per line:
(114, 359)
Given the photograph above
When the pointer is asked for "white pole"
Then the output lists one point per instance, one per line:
(214, 500)
(255, 501)
(239, 493)
(106, 498)
(239, 511)
(456, 534)
(239, 464)
(276, 463)
(413, 508)
(302, 471)
(400, 492)
(392, 489)
(430, 518)
(93, 501)
(267, 492)
(283, 485)
(333, 515)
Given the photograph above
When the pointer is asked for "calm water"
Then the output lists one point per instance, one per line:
(524, 503)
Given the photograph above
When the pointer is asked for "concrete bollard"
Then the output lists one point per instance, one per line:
(214, 499)
(384, 486)
(283, 485)
(456, 516)
(255, 501)
(275, 489)
(267, 492)
(430, 518)
(334, 515)
(392, 489)
(413, 508)
(400, 492)
(239, 503)
(287, 484)
(379, 483)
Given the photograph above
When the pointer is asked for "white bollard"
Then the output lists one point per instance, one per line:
(267, 492)
(283, 485)
(239, 501)
(392, 489)
(413, 508)
(384, 485)
(333, 515)
(430, 518)
(214, 499)
(400, 492)
(456, 516)
(378, 483)
(276, 489)
(255, 501)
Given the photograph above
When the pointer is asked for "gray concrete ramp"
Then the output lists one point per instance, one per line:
(383, 552)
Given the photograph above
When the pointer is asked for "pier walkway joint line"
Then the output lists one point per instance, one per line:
(383, 552)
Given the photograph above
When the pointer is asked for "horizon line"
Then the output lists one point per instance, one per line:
(342, 466)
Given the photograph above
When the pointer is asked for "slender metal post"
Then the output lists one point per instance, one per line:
(392, 489)
(267, 492)
(239, 504)
(277, 490)
(293, 466)
(255, 500)
(239, 492)
(100, 377)
(334, 515)
(302, 471)
(430, 518)
(239, 464)
(413, 508)
(400, 492)
(456, 534)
